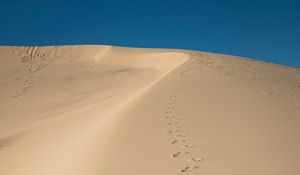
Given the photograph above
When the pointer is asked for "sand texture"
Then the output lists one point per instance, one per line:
(104, 110)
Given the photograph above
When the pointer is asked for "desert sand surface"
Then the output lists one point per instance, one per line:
(105, 110)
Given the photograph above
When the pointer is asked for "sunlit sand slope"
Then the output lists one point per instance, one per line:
(90, 110)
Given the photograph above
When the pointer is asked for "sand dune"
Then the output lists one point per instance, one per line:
(90, 110)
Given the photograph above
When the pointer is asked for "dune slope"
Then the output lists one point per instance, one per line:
(87, 110)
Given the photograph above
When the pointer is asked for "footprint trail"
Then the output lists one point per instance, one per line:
(175, 130)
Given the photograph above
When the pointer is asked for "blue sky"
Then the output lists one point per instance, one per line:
(263, 29)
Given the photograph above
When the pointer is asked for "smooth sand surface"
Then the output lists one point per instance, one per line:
(91, 110)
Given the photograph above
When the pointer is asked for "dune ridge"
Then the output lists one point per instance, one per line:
(115, 110)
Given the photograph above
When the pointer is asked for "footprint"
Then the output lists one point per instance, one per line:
(189, 146)
(183, 140)
(178, 141)
(180, 135)
(195, 167)
(170, 108)
(195, 160)
(170, 123)
(185, 169)
(169, 132)
(179, 154)
(174, 142)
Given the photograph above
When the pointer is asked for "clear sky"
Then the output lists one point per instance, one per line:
(263, 29)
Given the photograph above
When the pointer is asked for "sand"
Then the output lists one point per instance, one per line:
(90, 110)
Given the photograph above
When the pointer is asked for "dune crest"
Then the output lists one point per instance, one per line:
(85, 110)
